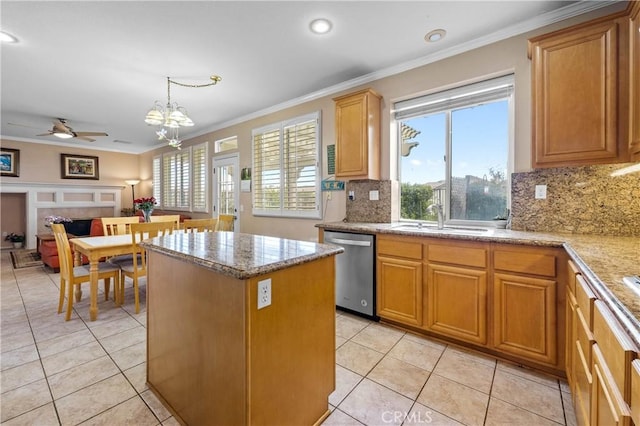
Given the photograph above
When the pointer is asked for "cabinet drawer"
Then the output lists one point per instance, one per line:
(584, 336)
(582, 396)
(409, 249)
(617, 350)
(635, 391)
(571, 279)
(585, 298)
(526, 262)
(457, 254)
(608, 407)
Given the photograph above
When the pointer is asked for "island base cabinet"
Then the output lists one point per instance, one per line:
(456, 302)
(214, 358)
(525, 317)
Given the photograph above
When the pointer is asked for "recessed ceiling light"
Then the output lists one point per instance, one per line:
(7, 38)
(435, 35)
(320, 26)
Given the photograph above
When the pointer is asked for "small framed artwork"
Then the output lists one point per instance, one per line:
(9, 162)
(79, 167)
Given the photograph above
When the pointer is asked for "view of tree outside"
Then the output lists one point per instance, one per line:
(478, 177)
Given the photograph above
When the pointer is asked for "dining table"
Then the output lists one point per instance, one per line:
(96, 248)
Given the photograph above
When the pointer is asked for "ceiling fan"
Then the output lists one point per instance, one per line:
(63, 131)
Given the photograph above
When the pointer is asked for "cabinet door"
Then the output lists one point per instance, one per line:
(575, 97)
(400, 290)
(607, 405)
(525, 317)
(358, 135)
(456, 303)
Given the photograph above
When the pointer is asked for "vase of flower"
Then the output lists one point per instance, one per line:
(147, 214)
(145, 205)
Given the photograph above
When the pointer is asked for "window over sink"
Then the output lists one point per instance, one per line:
(453, 150)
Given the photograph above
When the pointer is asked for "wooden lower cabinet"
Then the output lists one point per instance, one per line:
(456, 302)
(400, 290)
(525, 317)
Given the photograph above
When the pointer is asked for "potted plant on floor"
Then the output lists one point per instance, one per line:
(16, 239)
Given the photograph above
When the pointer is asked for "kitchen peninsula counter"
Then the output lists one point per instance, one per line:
(213, 357)
(604, 259)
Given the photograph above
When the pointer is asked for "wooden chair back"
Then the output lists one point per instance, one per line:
(118, 225)
(199, 225)
(225, 222)
(64, 252)
(175, 218)
(142, 231)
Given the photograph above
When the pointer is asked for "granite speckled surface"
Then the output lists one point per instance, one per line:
(581, 200)
(374, 211)
(240, 256)
(604, 259)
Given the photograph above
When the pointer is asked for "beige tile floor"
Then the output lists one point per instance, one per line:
(92, 373)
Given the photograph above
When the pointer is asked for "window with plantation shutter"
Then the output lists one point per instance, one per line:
(286, 168)
(199, 162)
(175, 180)
(157, 179)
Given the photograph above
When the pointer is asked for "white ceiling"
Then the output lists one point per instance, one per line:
(102, 64)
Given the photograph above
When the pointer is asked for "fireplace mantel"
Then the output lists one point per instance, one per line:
(70, 200)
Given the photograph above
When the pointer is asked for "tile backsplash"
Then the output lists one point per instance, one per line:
(584, 200)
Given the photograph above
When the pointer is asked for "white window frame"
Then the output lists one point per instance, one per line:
(502, 87)
(282, 211)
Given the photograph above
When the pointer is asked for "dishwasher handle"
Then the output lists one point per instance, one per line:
(349, 242)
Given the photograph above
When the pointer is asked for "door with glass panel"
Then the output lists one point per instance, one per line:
(226, 186)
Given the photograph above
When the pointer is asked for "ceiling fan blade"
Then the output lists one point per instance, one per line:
(90, 134)
(46, 134)
(24, 125)
(84, 138)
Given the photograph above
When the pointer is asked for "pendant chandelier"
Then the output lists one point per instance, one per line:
(173, 116)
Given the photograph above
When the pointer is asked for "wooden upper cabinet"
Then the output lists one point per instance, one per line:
(580, 95)
(358, 135)
(634, 72)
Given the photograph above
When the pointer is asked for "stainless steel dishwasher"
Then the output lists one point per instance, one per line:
(355, 272)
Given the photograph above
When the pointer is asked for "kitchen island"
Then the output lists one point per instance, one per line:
(213, 356)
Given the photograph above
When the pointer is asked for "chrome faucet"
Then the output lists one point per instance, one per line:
(440, 212)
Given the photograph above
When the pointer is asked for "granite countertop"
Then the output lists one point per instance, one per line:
(240, 256)
(604, 259)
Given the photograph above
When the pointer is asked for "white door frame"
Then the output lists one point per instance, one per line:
(221, 161)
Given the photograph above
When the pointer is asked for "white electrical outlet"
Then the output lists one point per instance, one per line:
(374, 195)
(541, 192)
(264, 293)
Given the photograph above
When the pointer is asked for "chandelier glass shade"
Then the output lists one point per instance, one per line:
(173, 116)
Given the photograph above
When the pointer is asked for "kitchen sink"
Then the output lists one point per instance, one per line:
(446, 230)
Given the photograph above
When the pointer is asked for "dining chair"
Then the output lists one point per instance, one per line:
(118, 225)
(225, 222)
(199, 225)
(137, 267)
(175, 218)
(73, 276)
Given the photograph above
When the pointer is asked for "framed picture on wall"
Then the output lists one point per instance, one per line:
(79, 167)
(9, 162)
